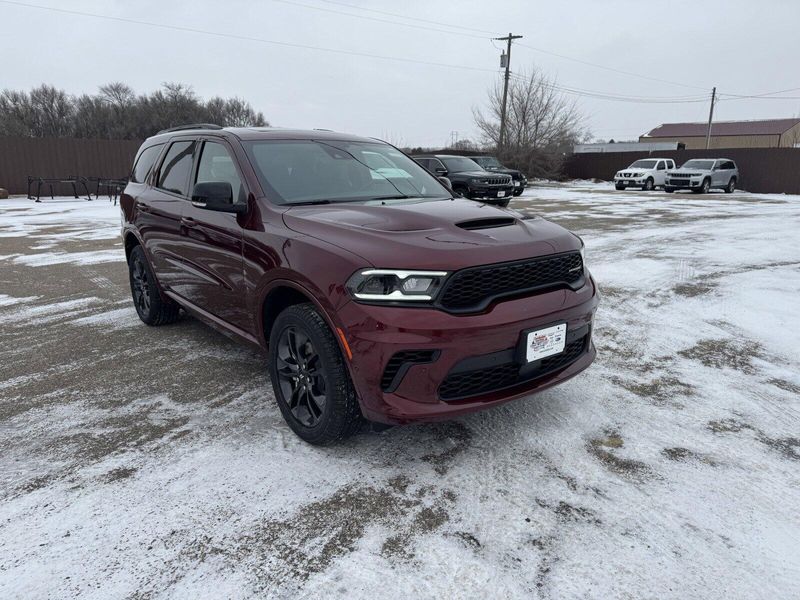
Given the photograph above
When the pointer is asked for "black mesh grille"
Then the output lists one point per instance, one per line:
(398, 360)
(479, 381)
(475, 287)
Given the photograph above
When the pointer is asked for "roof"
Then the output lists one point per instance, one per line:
(267, 133)
(718, 128)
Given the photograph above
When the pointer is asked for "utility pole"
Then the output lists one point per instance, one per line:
(710, 117)
(507, 65)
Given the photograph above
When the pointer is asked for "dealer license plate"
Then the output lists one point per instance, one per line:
(500, 194)
(545, 342)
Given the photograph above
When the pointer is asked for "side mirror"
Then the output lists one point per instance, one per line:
(441, 172)
(446, 183)
(216, 195)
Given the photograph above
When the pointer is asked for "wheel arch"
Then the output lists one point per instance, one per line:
(282, 294)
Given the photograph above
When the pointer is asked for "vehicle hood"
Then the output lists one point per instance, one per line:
(478, 173)
(689, 171)
(427, 235)
(516, 174)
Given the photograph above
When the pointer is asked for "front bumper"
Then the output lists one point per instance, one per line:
(630, 180)
(684, 182)
(377, 333)
(490, 191)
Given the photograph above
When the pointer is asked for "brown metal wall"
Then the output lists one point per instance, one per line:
(761, 170)
(61, 157)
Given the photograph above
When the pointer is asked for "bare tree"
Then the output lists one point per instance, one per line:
(116, 112)
(542, 123)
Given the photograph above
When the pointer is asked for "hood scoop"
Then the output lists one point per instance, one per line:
(490, 223)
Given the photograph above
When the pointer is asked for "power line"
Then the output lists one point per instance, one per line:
(338, 12)
(399, 16)
(611, 69)
(245, 37)
(618, 97)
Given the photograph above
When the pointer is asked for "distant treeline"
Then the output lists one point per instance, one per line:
(116, 112)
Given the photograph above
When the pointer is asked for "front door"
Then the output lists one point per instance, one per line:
(661, 170)
(211, 248)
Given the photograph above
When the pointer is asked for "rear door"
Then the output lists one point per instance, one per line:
(211, 242)
(718, 174)
(158, 210)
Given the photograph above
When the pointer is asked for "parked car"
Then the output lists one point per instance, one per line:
(646, 173)
(703, 174)
(490, 163)
(469, 179)
(376, 293)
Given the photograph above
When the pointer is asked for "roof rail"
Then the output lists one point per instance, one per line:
(190, 126)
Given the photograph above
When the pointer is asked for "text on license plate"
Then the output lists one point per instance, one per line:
(500, 194)
(545, 342)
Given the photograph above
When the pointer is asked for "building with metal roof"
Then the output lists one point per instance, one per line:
(768, 133)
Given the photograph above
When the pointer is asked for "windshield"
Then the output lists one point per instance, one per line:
(643, 164)
(308, 171)
(705, 165)
(488, 162)
(459, 164)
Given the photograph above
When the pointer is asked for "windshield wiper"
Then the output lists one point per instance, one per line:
(308, 202)
(395, 197)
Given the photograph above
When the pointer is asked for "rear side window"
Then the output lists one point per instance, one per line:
(728, 164)
(174, 174)
(144, 164)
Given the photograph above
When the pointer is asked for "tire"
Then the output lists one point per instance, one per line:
(731, 186)
(310, 379)
(649, 185)
(151, 307)
(704, 187)
(619, 186)
(519, 192)
(669, 189)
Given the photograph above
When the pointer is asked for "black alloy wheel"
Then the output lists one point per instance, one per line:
(301, 377)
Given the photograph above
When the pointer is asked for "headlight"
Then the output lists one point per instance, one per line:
(583, 251)
(393, 285)
(637, 174)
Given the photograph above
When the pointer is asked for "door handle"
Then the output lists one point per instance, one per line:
(188, 222)
(143, 207)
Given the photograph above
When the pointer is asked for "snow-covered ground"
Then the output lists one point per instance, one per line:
(153, 463)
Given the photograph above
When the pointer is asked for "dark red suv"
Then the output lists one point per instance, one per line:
(377, 293)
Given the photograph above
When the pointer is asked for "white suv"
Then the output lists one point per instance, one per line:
(646, 173)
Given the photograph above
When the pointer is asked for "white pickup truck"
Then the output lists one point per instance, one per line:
(645, 173)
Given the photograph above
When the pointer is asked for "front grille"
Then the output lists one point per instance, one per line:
(496, 180)
(627, 174)
(475, 287)
(680, 175)
(400, 363)
(459, 385)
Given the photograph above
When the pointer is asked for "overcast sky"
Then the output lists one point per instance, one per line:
(741, 46)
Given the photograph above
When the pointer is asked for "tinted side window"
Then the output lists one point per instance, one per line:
(144, 164)
(175, 170)
(216, 164)
(728, 164)
(424, 162)
(437, 164)
(660, 166)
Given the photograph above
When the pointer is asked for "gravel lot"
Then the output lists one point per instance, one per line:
(141, 462)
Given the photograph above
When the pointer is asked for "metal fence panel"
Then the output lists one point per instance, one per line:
(60, 157)
(761, 170)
